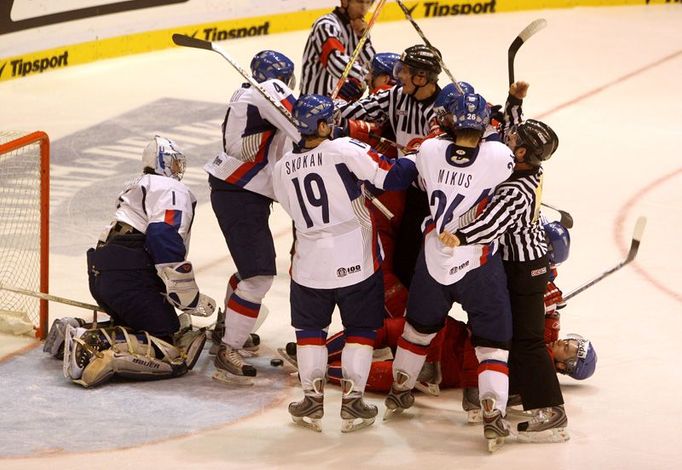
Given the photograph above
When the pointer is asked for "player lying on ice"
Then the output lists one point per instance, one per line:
(451, 361)
(139, 276)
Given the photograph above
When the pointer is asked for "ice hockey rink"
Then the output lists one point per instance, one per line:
(606, 79)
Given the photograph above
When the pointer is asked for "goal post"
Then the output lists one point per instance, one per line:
(24, 229)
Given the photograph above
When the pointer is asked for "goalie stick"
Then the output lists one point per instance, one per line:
(54, 298)
(634, 247)
(516, 44)
(188, 41)
(566, 219)
(409, 18)
(358, 48)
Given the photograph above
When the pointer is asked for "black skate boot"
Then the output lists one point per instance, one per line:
(472, 405)
(309, 411)
(547, 425)
(399, 398)
(354, 407)
(231, 368)
(288, 353)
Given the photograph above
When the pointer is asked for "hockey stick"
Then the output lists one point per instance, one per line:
(634, 247)
(54, 298)
(409, 18)
(358, 48)
(566, 219)
(516, 44)
(188, 41)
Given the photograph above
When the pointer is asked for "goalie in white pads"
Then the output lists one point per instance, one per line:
(139, 273)
(255, 135)
(337, 256)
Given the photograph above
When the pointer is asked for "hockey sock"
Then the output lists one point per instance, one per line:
(241, 310)
(411, 354)
(231, 287)
(356, 357)
(493, 376)
(311, 354)
(335, 344)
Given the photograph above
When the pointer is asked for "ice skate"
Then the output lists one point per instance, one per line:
(398, 399)
(251, 344)
(472, 405)
(519, 413)
(288, 353)
(495, 427)
(547, 425)
(429, 379)
(191, 343)
(54, 343)
(231, 369)
(309, 411)
(354, 407)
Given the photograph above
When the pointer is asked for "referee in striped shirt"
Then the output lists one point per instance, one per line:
(513, 214)
(327, 52)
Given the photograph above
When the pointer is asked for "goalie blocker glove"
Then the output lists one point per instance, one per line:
(182, 290)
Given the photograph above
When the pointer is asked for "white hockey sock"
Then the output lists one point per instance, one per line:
(493, 376)
(356, 360)
(312, 364)
(411, 354)
(242, 308)
(231, 287)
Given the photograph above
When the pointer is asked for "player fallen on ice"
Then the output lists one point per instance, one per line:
(337, 255)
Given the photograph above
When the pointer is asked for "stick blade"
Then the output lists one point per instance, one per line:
(640, 225)
(189, 41)
(532, 28)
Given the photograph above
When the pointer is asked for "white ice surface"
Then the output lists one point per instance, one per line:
(608, 81)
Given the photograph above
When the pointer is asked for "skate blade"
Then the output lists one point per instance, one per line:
(310, 423)
(428, 388)
(231, 379)
(547, 436)
(495, 443)
(474, 416)
(349, 424)
(390, 413)
(290, 360)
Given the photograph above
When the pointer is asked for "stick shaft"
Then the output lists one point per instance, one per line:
(358, 48)
(52, 298)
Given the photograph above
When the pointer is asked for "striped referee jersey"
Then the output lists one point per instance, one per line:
(327, 52)
(514, 214)
(409, 118)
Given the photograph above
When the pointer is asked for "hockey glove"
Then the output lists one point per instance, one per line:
(182, 291)
(352, 89)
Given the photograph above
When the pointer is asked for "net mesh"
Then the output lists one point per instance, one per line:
(20, 177)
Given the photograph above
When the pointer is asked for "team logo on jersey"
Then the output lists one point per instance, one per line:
(343, 272)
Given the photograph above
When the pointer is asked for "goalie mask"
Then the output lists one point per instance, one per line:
(163, 157)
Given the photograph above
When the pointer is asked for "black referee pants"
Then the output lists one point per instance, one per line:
(531, 370)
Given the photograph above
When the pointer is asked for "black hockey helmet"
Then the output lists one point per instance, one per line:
(421, 57)
(539, 140)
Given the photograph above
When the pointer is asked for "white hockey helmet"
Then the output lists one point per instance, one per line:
(164, 157)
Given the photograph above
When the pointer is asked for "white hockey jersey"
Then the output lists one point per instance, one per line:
(255, 135)
(336, 240)
(453, 186)
(150, 202)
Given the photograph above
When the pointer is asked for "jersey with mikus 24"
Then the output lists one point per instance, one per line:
(453, 186)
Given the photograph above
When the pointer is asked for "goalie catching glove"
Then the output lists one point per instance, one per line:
(182, 290)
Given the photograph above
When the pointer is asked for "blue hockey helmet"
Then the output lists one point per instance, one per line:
(448, 94)
(310, 110)
(383, 63)
(559, 242)
(468, 111)
(583, 365)
(272, 64)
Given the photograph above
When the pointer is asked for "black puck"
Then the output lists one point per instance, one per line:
(276, 362)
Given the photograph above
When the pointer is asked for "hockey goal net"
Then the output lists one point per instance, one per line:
(24, 230)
